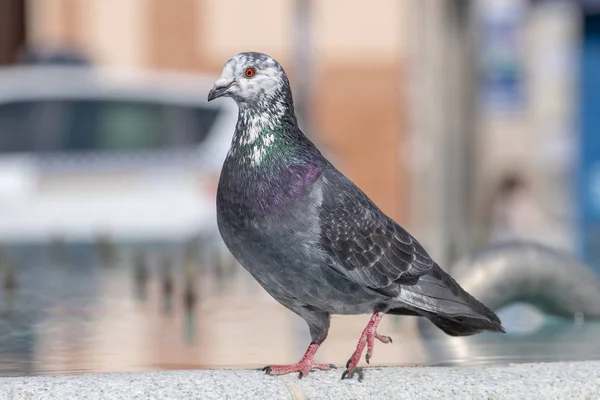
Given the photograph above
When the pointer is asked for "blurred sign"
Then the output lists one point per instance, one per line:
(594, 190)
(589, 148)
(500, 54)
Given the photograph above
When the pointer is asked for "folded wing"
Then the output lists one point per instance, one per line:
(365, 244)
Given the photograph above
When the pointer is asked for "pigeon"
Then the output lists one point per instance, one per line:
(310, 237)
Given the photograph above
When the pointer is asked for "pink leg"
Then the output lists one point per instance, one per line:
(304, 366)
(367, 338)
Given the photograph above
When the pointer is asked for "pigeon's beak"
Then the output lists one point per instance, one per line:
(221, 86)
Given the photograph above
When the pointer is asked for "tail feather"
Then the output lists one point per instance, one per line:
(462, 326)
(441, 299)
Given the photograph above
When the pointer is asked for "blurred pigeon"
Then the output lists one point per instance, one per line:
(313, 239)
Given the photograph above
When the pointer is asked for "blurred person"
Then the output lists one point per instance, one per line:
(513, 212)
(514, 215)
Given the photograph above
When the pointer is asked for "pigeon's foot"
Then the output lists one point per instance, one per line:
(370, 343)
(303, 368)
(367, 338)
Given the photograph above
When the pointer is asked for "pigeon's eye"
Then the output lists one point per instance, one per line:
(250, 72)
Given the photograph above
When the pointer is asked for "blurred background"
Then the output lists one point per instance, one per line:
(471, 122)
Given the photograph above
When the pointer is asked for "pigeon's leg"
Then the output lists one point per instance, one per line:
(367, 338)
(318, 324)
(304, 366)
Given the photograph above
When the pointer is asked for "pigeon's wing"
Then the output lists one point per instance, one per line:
(365, 245)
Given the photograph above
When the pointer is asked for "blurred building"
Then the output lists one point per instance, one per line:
(527, 121)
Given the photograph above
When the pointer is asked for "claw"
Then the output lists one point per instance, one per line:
(300, 375)
(348, 363)
(383, 339)
(361, 374)
(332, 366)
(367, 358)
(350, 374)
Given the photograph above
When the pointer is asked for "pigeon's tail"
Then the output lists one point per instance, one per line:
(441, 299)
(464, 326)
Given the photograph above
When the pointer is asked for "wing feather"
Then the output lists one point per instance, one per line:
(366, 245)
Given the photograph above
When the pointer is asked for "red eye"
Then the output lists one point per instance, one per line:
(250, 72)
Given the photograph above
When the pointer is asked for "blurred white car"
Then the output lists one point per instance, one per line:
(89, 151)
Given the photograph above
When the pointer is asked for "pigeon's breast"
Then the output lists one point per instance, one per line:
(261, 192)
(271, 224)
(270, 209)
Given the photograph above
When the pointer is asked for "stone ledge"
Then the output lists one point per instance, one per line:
(573, 380)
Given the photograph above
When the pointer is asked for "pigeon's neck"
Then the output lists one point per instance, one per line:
(265, 134)
(270, 161)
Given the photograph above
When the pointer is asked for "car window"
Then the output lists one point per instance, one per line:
(101, 125)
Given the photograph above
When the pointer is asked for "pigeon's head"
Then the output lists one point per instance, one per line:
(250, 78)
